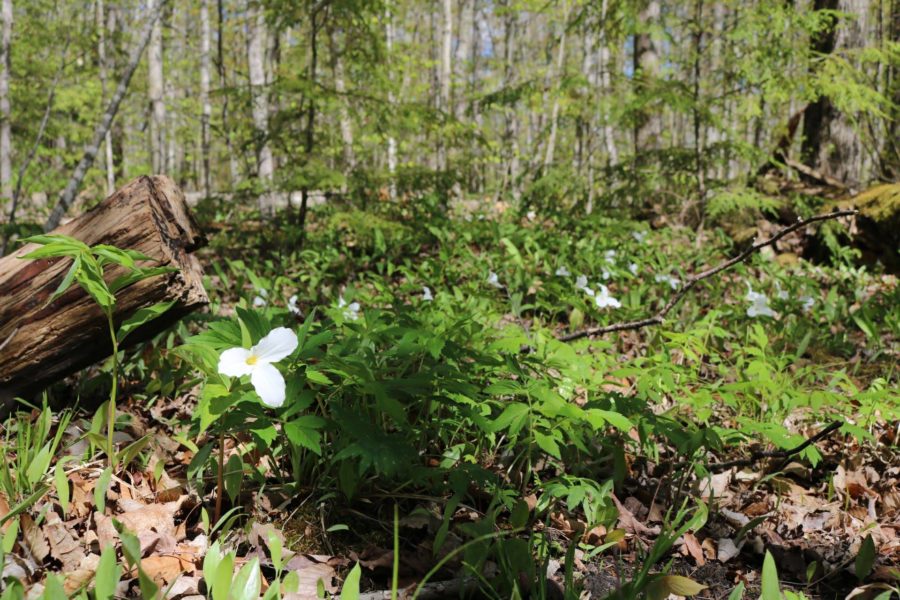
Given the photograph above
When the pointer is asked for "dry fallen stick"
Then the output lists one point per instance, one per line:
(659, 317)
(758, 455)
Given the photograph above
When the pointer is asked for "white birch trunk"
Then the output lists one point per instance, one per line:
(101, 63)
(344, 122)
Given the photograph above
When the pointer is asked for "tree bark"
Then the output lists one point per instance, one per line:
(256, 48)
(206, 106)
(90, 153)
(340, 86)
(831, 144)
(646, 69)
(6, 14)
(156, 91)
(41, 342)
(391, 140)
(558, 73)
(445, 74)
(102, 66)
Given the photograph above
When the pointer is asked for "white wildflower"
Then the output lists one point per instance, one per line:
(292, 305)
(610, 256)
(494, 280)
(604, 300)
(673, 282)
(639, 236)
(808, 302)
(633, 268)
(426, 294)
(759, 304)
(257, 363)
(351, 311)
(562, 272)
(780, 293)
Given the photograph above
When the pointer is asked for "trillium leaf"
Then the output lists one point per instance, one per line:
(317, 377)
(682, 586)
(67, 281)
(142, 316)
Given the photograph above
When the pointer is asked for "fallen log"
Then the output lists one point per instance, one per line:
(42, 342)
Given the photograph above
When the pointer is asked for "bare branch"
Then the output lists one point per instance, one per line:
(693, 280)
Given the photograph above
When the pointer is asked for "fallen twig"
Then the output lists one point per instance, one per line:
(659, 317)
(758, 455)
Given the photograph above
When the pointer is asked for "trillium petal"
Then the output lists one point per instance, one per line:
(278, 344)
(233, 362)
(269, 384)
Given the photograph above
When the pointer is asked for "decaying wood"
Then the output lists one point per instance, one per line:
(41, 342)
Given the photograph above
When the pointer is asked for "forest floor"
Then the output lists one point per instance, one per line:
(721, 461)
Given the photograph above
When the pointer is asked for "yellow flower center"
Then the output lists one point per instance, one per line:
(251, 360)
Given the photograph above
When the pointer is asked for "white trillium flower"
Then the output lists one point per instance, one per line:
(673, 282)
(605, 274)
(581, 282)
(780, 293)
(604, 300)
(562, 272)
(426, 294)
(633, 268)
(259, 302)
(531, 215)
(759, 304)
(494, 280)
(639, 236)
(351, 311)
(292, 305)
(610, 256)
(808, 302)
(257, 363)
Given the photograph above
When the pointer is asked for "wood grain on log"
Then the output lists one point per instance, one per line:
(41, 342)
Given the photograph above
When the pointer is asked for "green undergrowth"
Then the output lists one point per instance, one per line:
(463, 393)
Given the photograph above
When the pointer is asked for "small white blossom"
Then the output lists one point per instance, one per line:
(610, 256)
(605, 274)
(639, 236)
(257, 363)
(604, 300)
(531, 215)
(759, 304)
(292, 305)
(351, 311)
(259, 301)
(426, 294)
(633, 268)
(581, 282)
(673, 282)
(494, 280)
(808, 302)
(562, 272)
(780, 293)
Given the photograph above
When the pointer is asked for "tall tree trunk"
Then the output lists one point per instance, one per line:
(90, 153)
(206, 106)
(310, 117)
(604, 59)
(465, 20)
(223, 84)
(391, 140)
(6, 14)
(256, 47)
(445, 74)
(340, 86)
(648, 126)
(102, 66)
(831, 144)
(560, 75)
(511, 131)
(699, 163)
(156, 90)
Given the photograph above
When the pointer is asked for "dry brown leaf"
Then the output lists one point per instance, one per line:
(34, 539)
(692, 548)
(63, 546)
(83, 575)
(630, 524)
(163, 570)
